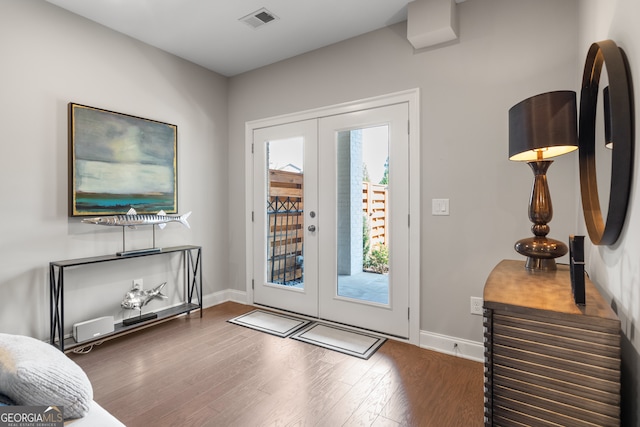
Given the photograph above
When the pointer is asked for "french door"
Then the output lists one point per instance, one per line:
(381, 299)
(330, 218)
(285, 206)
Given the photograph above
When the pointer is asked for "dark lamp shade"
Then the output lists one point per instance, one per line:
(543, 126)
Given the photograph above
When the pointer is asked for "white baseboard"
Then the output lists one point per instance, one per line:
(441, 343)
(223, 296)
(466, 349)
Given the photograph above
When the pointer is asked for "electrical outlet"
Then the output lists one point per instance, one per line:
(476, 306)
(139, 283)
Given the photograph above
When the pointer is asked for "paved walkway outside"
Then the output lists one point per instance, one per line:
(365, 286)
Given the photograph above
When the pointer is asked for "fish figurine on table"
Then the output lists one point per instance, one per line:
(136, 298)
(132, 219)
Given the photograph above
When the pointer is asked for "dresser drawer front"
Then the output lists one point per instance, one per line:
(548, 372)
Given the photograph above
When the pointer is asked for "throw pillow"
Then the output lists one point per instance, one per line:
(34, 373)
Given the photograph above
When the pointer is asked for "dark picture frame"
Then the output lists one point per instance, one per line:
(118, 161)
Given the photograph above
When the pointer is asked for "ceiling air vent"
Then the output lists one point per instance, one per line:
(258, 18)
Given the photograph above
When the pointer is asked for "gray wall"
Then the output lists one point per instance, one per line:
(49, 58)
(504, 54)
(616, 269)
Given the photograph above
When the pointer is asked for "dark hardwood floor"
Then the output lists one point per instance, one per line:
(207, 372)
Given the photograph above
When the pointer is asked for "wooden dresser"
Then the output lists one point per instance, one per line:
(548, 362)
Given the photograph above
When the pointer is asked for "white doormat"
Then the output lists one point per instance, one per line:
(271, 323)
(357, 344)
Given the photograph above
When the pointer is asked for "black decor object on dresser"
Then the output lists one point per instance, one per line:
(576, 266)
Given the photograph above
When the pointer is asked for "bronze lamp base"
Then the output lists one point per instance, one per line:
(541, 252)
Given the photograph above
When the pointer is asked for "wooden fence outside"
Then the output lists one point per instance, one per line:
(286, 227)
(375, 199)
(286, 223)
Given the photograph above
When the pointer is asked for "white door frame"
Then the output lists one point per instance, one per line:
(412, 97)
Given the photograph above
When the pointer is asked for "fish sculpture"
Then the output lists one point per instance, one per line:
(136, 298)
(132, 219)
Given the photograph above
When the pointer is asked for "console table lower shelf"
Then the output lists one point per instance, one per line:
(120, 329)
(191, 282)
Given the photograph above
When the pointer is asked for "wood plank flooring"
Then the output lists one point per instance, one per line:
(194, 371)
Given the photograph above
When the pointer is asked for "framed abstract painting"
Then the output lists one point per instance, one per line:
(118, 162)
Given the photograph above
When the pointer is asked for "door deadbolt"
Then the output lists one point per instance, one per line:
(312, 214)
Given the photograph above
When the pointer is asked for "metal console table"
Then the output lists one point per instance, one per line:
(192, 263)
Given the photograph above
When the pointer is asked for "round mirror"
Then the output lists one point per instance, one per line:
(618, 127)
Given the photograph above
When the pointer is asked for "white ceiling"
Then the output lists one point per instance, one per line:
(209, 33)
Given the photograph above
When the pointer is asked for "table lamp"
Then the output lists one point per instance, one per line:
(542, 127)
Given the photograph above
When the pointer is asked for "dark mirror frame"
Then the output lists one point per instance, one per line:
(606, 231)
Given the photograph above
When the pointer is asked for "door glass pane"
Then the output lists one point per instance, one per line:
(362, 214)
(285, 215)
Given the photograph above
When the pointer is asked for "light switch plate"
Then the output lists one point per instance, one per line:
(440, 206)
